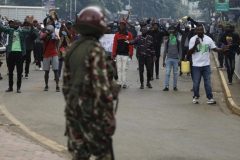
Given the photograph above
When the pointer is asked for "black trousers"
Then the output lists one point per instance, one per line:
(220, 59)
(230, 64)
(0, 68)
(38, 53)
(156, 63)
(146, 61)
(15, 59)
(27, 59)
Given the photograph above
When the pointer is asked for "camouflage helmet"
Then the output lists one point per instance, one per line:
(91, 21)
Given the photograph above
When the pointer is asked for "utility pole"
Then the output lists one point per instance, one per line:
(75, 6)
(70, 10)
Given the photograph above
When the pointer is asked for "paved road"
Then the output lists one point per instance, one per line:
(152, 124)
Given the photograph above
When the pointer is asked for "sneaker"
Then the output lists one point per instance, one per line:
(149, 85)
(124, 86)
(142, 86)
(211, 101)
(157, 76)
(9, 90)
(119, 86)
(229, 83)
(195, 100)
(166, 89)
(57, 89)
(40, 69)
(26, 76)
(46, 88)
(175, 89)
(19, 91)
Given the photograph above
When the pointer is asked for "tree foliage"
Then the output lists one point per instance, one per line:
(205, 4)
(142, 8)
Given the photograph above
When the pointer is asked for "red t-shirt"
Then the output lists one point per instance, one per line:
(50, 49)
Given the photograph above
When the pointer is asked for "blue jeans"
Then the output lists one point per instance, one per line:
(198, 73)
(169, 64)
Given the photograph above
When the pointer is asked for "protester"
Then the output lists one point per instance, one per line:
(88, 91)
(185, 45)
(38, 48)
(219, 34)
(0, 72)
(146, 54)
(157, 35)
(50, 55)
(65, 42)
(29, 43)
(199, 48)
(171, 58)
(122, 51)
(16, 51)
(230, 39)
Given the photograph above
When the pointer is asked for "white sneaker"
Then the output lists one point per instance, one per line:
(195, 100)
(211, 101)
(40, 69)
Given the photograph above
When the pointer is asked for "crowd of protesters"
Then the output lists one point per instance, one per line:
(89, 86)
(182, 40)
(47, 40)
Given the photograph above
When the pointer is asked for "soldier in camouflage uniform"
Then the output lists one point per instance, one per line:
(88, 91)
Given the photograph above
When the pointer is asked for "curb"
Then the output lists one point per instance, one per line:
(41, 139)
(228, 96)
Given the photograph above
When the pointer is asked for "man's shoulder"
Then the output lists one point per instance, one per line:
(87, 45)
(193, 38)
(207, 38)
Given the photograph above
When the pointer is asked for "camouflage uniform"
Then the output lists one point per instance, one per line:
(88, 91)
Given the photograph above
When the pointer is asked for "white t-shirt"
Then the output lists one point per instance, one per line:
(201, 57)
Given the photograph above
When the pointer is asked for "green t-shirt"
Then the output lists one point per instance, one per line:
(172, 39)
(16, 45)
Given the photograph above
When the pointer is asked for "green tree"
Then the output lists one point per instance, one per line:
(207, 6)
(142, 8)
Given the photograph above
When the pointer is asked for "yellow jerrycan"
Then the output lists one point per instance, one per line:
(185, 66)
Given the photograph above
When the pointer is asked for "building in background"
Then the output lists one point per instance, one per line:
(185, 2)
(20, 12)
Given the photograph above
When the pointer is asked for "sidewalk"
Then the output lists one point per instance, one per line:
(17, 147)
(231, 92)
